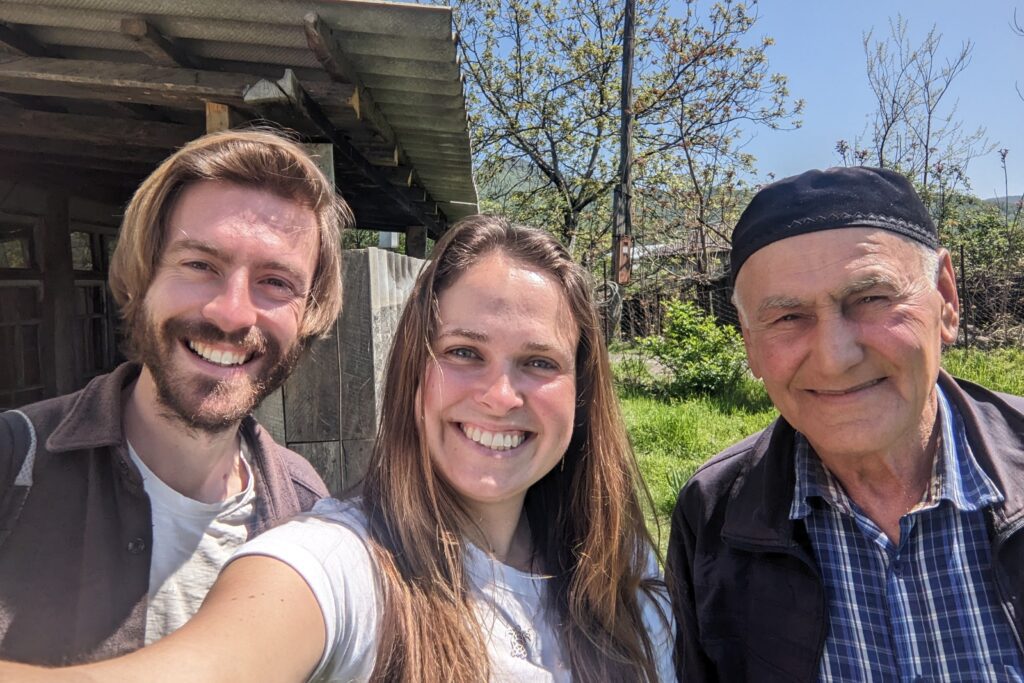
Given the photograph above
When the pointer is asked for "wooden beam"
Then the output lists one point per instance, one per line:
(416, 241)
(19, 41)
(118, 167)
(122, 82)
(94, 129)
(153, 43)
(83, 150)
(220, 117)
(287, 99)
(324, 44)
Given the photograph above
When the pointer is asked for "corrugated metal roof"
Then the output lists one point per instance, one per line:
(404, 55)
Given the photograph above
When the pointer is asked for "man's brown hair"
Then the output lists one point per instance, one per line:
(256, 158)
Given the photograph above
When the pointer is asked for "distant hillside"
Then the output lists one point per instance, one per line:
(1001, 201)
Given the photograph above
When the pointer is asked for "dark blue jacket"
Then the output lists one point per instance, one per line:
(748, 597)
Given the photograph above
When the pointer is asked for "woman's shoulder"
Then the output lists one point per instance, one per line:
(330, 537)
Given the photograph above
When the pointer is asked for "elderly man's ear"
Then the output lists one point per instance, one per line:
(950, 301)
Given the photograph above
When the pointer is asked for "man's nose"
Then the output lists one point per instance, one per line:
(837, 344)
(232, 309)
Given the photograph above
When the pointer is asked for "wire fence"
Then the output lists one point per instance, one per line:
(991, 305)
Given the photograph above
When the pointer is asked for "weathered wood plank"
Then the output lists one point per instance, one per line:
(218, 117)
(270, 415)
(325, 457)
(18, 40)
(311, 395)
(94, 129)
(416, 241)
(355, 458)
(40, 146)
(124, 82)
(153, 44)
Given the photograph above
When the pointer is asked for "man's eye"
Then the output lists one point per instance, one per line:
(278, 283)
(198, 265)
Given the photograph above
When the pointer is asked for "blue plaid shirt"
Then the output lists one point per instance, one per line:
(927, 609)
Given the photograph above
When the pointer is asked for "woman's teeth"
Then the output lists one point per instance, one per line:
(497, 441)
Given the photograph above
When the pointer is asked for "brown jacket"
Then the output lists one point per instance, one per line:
(74, 569)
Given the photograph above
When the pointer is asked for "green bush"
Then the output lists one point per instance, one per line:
(700, 356)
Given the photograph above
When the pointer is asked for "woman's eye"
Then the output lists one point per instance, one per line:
(198, 265)
(542, 364)
(462, 353)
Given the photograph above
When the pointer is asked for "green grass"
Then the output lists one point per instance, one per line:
(673, 437)
(999, 369)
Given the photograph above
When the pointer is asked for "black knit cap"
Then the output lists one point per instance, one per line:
(835, 198)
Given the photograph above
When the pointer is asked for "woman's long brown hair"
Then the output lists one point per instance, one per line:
(586, 518)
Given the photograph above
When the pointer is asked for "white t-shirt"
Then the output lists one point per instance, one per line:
(191, 542)
(327, 549)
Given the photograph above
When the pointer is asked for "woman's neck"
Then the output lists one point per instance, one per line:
(505, 535)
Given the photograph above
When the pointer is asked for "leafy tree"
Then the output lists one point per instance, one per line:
(544, 79)
(914, 127)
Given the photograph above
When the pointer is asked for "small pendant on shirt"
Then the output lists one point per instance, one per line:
(519, 641)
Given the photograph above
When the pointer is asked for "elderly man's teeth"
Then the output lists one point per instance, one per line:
(216, 356)
(497, 441)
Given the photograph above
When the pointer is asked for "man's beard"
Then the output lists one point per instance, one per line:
(206, 403)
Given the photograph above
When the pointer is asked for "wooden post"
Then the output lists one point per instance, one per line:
(377, 284)
(416, 241)
(218, 117)
(57, 322)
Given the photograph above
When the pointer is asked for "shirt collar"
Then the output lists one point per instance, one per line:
(956, 475)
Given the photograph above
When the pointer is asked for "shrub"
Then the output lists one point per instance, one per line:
(699, 355)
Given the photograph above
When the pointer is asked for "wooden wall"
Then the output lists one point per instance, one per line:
(329, 408)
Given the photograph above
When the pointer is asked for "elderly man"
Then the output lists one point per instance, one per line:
(874, 531)
(119, 503)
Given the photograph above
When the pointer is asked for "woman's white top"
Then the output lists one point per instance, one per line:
(327, 548)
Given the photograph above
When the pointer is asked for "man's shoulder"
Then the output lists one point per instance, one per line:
(723, 468)
(280, 460)
(92, 413)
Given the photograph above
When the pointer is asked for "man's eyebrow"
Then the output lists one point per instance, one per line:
(207, 248)
(773, 303)
(864, 284)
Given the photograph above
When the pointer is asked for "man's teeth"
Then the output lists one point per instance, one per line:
(497, 441)
(216, 356)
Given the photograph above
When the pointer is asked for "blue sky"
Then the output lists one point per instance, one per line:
(818, 45)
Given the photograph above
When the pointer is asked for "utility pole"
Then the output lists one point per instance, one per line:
(622, 198)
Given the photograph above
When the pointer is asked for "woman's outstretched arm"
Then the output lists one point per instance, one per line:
(259, 622)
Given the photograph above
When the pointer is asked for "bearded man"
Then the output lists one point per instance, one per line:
(119, 503)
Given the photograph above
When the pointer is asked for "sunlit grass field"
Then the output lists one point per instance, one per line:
(672, 437)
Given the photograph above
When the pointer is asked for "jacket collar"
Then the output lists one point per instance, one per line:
(94, 419)
(758, 514)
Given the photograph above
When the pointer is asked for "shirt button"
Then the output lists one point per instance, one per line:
(136, 546)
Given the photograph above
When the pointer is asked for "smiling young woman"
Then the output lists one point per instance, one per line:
(499, 533)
